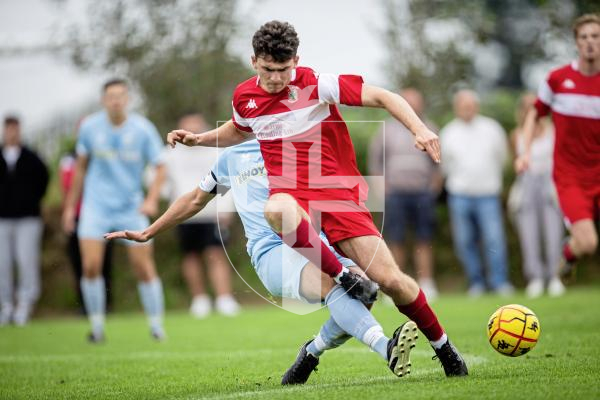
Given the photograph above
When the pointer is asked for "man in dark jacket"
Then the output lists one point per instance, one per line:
(23, 182)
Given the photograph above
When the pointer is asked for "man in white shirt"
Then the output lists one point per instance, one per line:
(201, 237)
(475, 150)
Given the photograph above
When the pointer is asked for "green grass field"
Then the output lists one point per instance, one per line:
(245, 357)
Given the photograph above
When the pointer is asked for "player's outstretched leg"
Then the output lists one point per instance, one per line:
(351, 317)
(291, 223)
(373, 256)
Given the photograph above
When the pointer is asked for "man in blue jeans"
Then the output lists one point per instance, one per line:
(475, 150)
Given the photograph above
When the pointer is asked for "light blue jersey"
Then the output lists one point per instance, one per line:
(241, 168)
(117, 158)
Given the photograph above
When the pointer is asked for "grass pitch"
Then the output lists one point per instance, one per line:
(244, 357)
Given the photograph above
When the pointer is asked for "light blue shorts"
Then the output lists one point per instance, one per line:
(280, 269)
(94, 222)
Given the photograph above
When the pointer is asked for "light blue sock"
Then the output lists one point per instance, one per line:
(151, 294)
(330, 336)
(94, 299)
(355, 319)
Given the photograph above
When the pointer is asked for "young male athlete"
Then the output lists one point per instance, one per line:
(572, 94)
(283, 271)
(313, 177)
(113, 148)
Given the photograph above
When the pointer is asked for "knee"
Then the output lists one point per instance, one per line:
(396, 282)
(587, 244)
(90, 272)
(276, 206)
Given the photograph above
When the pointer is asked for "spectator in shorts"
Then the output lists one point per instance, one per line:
(412, 181)
(474, 152)
(23, 182)
(201, 237)
(533, 202)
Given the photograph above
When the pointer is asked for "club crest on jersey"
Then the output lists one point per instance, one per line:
(293, 93)
(568, 84)
(251, 104)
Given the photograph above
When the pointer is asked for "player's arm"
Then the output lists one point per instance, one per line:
(183, 208)
(425, 139)
(522, 162)
(150, 205)
(223, 136)
(69, 213)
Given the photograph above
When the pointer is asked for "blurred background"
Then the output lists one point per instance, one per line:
(182, 55)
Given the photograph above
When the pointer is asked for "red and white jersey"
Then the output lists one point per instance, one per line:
(303, 139)
(574, 100)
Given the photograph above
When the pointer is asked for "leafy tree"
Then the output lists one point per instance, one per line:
(175, 52)
(440, 45)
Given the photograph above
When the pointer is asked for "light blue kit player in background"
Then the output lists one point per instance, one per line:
(283, 271)
(113, 150)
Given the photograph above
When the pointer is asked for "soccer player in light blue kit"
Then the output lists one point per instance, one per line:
(283, 271)
(113, 149)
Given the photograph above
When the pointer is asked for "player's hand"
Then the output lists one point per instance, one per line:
(149, 207)
(522, 163)
(429, 142)
(181, 136)
(68, 220)
(136, 236)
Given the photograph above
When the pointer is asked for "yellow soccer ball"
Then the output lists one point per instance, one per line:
(513, 330)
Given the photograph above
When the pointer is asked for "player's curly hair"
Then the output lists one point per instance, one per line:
(277, 40)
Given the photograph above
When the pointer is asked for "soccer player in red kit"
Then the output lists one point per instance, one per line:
(313, 177)
(572, 94)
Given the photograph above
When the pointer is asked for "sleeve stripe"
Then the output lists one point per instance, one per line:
(238, 120)
(209, 183)
(545, 93)
(329, 88)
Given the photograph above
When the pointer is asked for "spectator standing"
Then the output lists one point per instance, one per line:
(202, 237)
(412, 182)
(475, 150)
(23, 183)
(535, 207)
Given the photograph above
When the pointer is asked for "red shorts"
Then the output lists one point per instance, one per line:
(578, 202)
(338, 219)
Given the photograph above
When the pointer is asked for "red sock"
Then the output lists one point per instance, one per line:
(321, 256)
(420, 312)
(568, 253)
